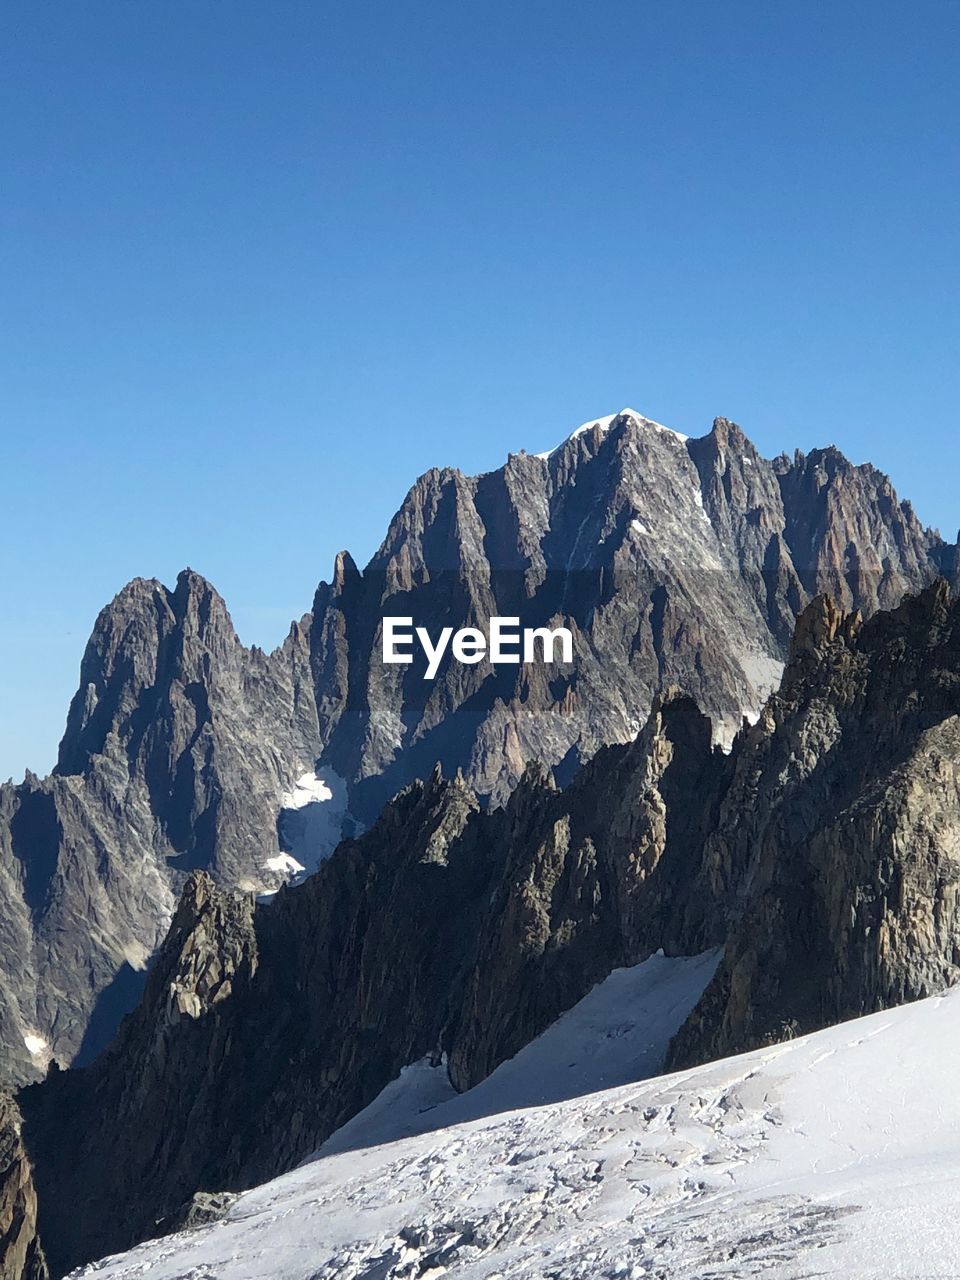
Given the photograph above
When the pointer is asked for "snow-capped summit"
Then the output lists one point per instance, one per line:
(640, 418)
(605, 423)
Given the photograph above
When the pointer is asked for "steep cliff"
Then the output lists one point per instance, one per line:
(179, 747)
(838, 841)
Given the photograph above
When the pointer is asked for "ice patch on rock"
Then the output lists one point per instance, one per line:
(38, 1049)
(308, 789)
(764, 673)
(698, 499)
(285, 863)
(311, 821)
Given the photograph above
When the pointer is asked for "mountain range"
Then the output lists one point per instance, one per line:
(300, 873)
(675, 562)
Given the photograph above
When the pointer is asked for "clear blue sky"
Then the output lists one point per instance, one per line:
(263, 263)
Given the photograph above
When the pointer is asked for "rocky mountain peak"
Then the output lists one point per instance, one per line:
(119, 662)
(144, 641)
(345, 572)
(726, 434)
(817, 627)
(201, 609)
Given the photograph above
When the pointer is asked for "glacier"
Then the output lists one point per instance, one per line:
(834, 1154)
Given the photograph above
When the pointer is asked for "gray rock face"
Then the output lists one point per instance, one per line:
(200, 1210)
(205, 968)
(675, 563)
(178, 747)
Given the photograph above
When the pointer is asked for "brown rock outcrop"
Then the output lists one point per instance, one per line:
(21, 1255)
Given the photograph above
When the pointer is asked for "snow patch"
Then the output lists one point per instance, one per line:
(311, 821)
(698, 499)
(308, 789)
(764, 673)
(285, 863)
(35, 1044)
(619, 1031)
(639, 526)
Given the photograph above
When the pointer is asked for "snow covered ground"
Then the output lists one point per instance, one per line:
(837, 1154)
(618, 1033)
